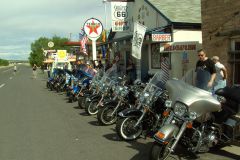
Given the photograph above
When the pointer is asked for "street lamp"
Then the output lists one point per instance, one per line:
(105, 7)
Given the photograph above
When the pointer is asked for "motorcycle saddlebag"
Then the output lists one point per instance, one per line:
(232, 93)
(232, 126)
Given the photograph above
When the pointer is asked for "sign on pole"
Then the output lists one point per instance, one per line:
(61, 55)
(50, 44)
(138, 36)
(120, 16)
(93, 28)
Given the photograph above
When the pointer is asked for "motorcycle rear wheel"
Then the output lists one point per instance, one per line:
(125, 128)
(104, 115)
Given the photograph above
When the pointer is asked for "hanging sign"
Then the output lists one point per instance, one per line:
(161, 37)
(120, 16)
(138, 36)
(178, 46)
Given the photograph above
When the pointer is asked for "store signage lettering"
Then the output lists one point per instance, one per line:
(120, 16)
(178, 46)
(161, 37)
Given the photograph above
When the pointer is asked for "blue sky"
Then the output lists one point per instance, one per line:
(23, 21)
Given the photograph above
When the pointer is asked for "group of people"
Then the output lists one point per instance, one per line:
(211, 74)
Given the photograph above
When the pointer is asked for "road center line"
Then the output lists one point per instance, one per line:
(2, 85)
(7, 70)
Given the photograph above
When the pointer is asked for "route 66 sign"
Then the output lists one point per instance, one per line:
(120, 16)
(93, 28)
(120, 11)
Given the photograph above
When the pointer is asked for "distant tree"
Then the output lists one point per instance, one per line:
(4, 62)
(37, 47)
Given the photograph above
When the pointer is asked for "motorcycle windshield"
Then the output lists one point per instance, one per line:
(153, 89)
(98, 76)
(112, 73)
(157, 82)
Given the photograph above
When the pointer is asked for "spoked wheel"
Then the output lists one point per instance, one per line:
(70, 98)
(126, 128)
(80, 101)
(105, 116)
(160, 151)
(92, 108)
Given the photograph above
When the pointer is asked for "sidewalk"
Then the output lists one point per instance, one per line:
(6, 66)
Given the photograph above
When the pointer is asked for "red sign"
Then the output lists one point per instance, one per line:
(93, 28)
(161, 37)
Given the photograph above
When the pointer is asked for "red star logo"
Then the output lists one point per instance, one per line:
(93, 27)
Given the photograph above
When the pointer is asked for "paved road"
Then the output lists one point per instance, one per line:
(37, 124)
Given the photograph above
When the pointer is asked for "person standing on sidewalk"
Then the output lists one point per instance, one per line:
(206, 72)
(34, 71)
(221, 74)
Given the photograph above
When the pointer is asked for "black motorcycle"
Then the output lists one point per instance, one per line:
(146, 118)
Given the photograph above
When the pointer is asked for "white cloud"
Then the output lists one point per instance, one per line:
(23, 21)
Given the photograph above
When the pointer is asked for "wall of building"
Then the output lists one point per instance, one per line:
(142, 12)
(218, 17)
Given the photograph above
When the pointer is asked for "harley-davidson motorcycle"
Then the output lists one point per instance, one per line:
(146, 117)
(125, 98)
(197, 119)
(108, 80)
(90, 90)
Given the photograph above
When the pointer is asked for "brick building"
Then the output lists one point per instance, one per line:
(221, 34)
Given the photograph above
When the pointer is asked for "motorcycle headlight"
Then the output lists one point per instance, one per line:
(114, 88)
(192, 115)
(180, 109)
(146, 94)
(168, 103)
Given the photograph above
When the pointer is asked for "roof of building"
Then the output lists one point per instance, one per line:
(184, 11)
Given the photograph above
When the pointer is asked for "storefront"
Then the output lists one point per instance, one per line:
(181, 31)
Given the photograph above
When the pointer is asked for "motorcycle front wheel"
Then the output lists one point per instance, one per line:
(159, 151)
(104, 115)
(92, 108)
(126, 130)
(81, 99)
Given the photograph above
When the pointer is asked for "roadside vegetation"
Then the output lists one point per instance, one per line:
(4, 62)
(37, 47)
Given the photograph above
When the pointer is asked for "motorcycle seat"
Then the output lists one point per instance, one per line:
(232, 93)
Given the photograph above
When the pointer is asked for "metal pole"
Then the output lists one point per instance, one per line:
(105, 7)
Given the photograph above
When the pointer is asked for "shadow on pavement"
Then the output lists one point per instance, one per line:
(94, 123)
(83, 114)
(112, 137)
(76, 107)
(226, 154)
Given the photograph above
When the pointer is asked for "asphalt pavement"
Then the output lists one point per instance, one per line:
(38, 124)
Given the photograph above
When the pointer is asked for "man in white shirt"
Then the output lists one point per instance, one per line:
(221, 74)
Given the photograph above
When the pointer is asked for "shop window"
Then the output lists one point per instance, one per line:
(157, 57)
(235, 59)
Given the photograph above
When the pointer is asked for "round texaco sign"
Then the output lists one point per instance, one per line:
(93, 28)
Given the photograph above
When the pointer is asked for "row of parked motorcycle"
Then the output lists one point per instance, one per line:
(171, 112)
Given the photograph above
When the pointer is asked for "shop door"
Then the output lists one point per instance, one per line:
(144, 63)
